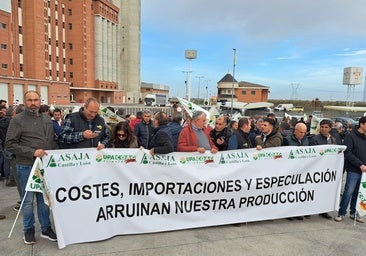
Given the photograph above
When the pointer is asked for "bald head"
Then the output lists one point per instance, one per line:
(300, 131)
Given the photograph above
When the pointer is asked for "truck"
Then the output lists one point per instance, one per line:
(155, 100)
(283, 107)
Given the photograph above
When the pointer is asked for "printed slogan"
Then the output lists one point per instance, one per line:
(128, 191)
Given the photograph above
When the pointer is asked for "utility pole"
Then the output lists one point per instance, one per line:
(232, 89)
(199, 86)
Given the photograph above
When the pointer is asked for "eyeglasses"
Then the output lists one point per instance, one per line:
(123, 135)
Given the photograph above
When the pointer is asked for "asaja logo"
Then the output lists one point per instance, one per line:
(302, 152)
(163, 159)
(111, 158)
(267, 155)
(196, 160)
(237, 157)
(69, 159)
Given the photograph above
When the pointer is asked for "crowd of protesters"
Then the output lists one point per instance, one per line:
(160, 134)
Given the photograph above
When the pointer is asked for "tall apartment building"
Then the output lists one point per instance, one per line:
(69, 50)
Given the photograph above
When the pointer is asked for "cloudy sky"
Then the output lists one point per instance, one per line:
(298, 48)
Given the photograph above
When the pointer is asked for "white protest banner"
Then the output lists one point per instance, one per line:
(361, 198)
(128, 191)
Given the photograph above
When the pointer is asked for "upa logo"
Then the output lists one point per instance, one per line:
(115, 158)
(196, 160)
(267, 155)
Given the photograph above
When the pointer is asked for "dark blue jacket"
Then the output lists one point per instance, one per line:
(355, 154)
(144, 131)
(162, 141)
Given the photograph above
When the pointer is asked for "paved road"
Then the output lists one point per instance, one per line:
(314, 236)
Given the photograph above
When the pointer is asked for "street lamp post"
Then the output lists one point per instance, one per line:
(189, 55)
(207, 97)
(199, 86)
(232, 89)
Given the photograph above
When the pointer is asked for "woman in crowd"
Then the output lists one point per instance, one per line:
(123, 137)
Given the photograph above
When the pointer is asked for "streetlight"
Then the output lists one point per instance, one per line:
(190, 55)
(232, 89)
(207, 97)
(187, 78)
(199, 86)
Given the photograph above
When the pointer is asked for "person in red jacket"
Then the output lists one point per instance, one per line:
(195, 137)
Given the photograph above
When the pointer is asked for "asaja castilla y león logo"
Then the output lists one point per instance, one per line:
(302, 152)
(159, 159)
(234, 157)
(69, 160)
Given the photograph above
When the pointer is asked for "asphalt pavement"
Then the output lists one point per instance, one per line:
(313, 236)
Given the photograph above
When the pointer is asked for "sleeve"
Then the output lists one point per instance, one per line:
(67, 134)
(348, 153)
(164, 145)
(12, 140)
(233, 142)
(185, 142)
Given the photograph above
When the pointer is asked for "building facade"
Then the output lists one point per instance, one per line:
(243, 91)
(68, 51)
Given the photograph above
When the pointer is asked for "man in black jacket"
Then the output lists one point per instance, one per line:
(355, 165)
(85, 128)
(221, 134)
(324, 137)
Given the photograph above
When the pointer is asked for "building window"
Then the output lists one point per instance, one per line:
(21, 67)
(56, 43)
(70, 12)
(50, 72)
(63, 45)
(3, 46)
(49, 19)
(70, 46)
(19, 3)
(71, 61)
(63, 24)
(56, 22)
(50, 57)
(64, 61)
(57, 59)
(4, 66)
(20, 29)
(71, 75)
(21, 49)
(3, 25)
(243, 92)
(252, 92)
(70, 26)
(49, 40)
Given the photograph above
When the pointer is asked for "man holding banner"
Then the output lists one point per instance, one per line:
(355, 165)
(30, 134)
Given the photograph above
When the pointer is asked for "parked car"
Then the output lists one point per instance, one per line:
(345, 121)
(298, 109)
(318, 114)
